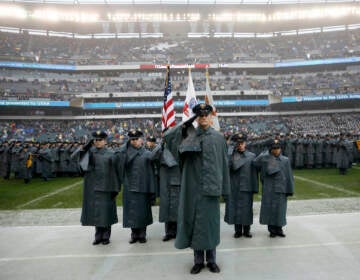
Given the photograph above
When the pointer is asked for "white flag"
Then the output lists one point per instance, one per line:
(190, 100)
(210, 101)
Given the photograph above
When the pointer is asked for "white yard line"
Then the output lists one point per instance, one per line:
(175, 252)
(326, 185)
(49, 194)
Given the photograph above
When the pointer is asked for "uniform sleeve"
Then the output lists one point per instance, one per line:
(173, 138)
(226, 172)
(290, 179)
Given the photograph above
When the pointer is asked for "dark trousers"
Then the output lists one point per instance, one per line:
(239, 228)
(137, 233)
(342, 171)
(7, 174)
(102, 233)
(199, 256)
(274, 229)
(170, 228)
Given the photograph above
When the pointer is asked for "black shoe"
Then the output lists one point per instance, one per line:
(167, 238)
(142, 240)
(133, 240)
(96, 242)
(106, 242)
(237, 234)
(280, 233)
(272, 235)
(197, 268)
(247, 234)
(213, 267)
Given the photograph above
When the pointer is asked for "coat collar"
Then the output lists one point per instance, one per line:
(132, 152)
(200, 131)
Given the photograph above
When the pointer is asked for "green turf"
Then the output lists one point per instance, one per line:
(14, 193)
(349, 182)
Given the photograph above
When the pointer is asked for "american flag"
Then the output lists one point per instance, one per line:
(168, 112)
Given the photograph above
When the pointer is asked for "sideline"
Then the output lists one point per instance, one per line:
(327, 186)
(177, 252)
(48, 195)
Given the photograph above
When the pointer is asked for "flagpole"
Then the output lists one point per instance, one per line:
(209, 100)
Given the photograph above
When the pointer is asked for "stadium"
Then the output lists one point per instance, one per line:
(284, 69)
(78, 60)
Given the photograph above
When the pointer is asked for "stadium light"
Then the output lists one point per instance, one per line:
(309, 31)
(13, 12)
(264, 35)
(181, 2)
(190, 34)
(288, 33)
(251, 17)
(9, 29)
(223, 17)
(223, 35)
(151, 35)
(46, 14)
(353, 26)
(83, 36)
(152, 17)
(104, 35)
(58, 15)
(60, 34)
(313, 13)
(198, 35)
(244, 35)
(278, 14)
(128, 35)
(36, 32)
(334, 28)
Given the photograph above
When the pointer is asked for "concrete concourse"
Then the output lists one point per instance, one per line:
(317, 246)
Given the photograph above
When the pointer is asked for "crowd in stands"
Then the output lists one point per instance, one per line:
(255, 127)
(71, 130)
(43, 49)
(25, 85)
(299, 125)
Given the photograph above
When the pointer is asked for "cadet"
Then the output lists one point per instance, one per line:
(45, 160)
(277, 184)
(137, 175)
(14, 157)
(25, 160)
(169, 182)
(244, 183)
(150, 146)
(100, 188)
(5, 160)
(150, 143)
(343, 154)
(204, 178)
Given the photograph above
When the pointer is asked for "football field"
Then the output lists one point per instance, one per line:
(67, 192)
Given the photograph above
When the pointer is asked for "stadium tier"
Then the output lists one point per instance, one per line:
(273, 68)
(24, 47)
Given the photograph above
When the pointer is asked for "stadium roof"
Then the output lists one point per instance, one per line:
(181, 2)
